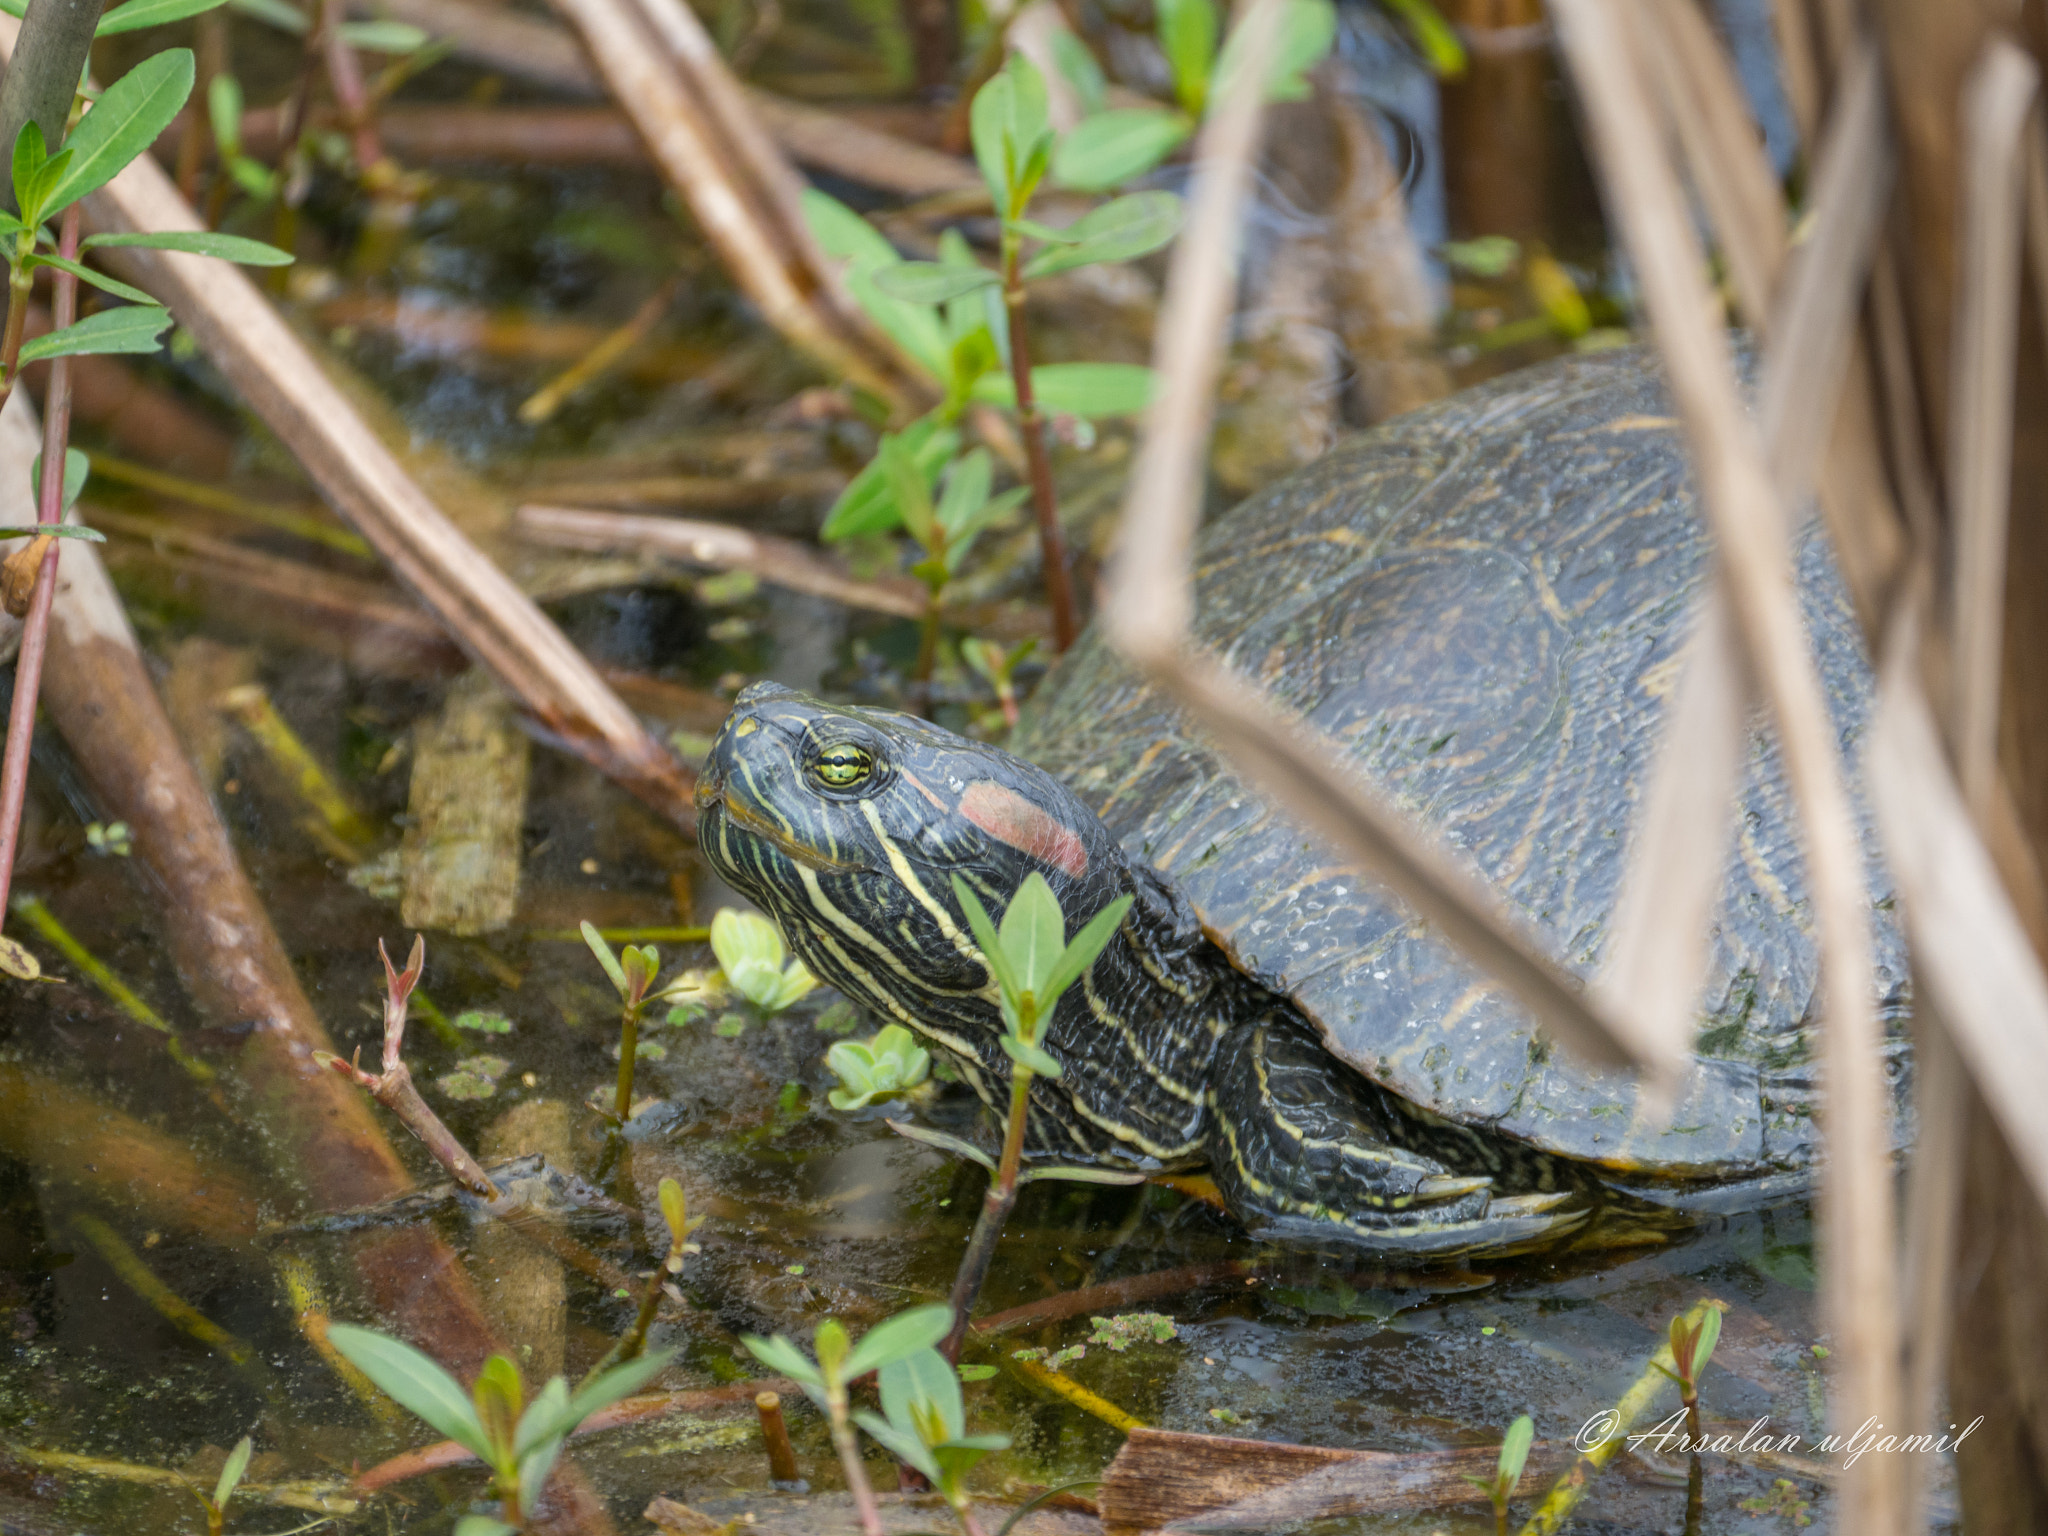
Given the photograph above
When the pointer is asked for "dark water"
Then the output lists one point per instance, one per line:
(810, 1212)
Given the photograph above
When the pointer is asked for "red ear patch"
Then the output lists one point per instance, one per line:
(1004, 813)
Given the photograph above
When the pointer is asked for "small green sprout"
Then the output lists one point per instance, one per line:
(632, 973)
(110, 837)
(886, 1067)
(839, 1362)
(924, 1423)
(224, 1489)
(1507, 1474)
(751, 953)
(518, 1441)
(1692, 1346)
(1031, 961)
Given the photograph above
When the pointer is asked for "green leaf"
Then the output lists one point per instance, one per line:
(605, 957)
(940, 1141)
(910, 490)
(966, 492)
(1029, 1056)
(129, 116)
(986, 936)
(1482, 256)
(615, 1385)
(1011, 128)
(923, 1376)
(134, 328)
(1709, 1336)
(29, 158)
(86, 274)
(231, 1473)
(931, 282)
(415, 1383)
(534, 1468)
(1077, 66)
(224, 111)
(1111, 147)
(847, 236)
(1093, 389)
(384, 36)
(900, 1442)
(1308, 29)
(10, 225)
(200, 242)
(281, 14)
(1079, 1175)
(993, 510)
(546, 1417)
(475, 1525)
(1436, 38)
(1033, 934)
(899, 1338)
(1514, 1451)
(1079, 955)
(76, 467)
(1122, 230)
(868, 504)
(16, 8)
(1187, 36)
(137, 14)
(783, 1358)
(55, 531)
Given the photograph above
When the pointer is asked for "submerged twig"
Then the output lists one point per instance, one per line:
(393, 1086)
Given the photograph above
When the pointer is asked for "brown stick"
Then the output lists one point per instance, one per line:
(662, 68)
(102, 702)
(782, 1466)
(785, 562)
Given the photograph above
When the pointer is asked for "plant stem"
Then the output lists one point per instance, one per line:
(927, 657)
(1052, 539)
(633, 1341)
(844, 1443)
(995, 1210)
(28, 666)
(629, 1049)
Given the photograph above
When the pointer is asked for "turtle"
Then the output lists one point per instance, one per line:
(1484, 603)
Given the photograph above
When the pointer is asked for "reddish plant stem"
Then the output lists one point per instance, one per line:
(28, 666)
(995, 1210)
(345, 75)
(1052, 539)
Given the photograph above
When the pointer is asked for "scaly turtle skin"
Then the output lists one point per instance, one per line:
(1485, 601)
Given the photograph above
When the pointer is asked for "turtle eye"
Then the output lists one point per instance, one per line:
(842, 766)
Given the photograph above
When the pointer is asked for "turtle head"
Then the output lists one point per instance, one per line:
(848, 826)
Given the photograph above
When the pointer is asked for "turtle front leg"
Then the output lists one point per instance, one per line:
(1305, 1150)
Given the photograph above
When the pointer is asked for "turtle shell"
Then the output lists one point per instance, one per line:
(1485, 602)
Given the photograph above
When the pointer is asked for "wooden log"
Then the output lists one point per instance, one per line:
(468, 812)
(1161, 1478)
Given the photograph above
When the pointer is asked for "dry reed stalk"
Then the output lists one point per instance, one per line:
(1148, 609)
(1985, 336)
(1753, 537)
(101, 701)
(785, 562)
(663, 70)
(478, 604)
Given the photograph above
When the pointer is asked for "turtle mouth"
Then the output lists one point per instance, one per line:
(715, 798)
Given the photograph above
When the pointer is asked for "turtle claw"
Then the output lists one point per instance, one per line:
(1449, 1186)
(1528, 1205)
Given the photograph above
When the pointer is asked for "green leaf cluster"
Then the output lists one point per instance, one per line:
(886, 1067)
(839, 1361)
(1108, 148)
(923, 1423)
(519, 1441)
(231, 1474)
(751, 953)
(126, 119)
(1031, 961)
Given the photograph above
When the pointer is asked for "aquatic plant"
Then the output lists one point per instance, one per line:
(632, 973)
(839, 1362)
(1693, 1337)
(1507, 1472)
(519, 1441)
(231, 1472)
(885, 1067)
(755, 961)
